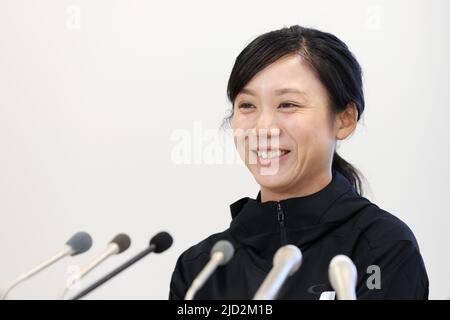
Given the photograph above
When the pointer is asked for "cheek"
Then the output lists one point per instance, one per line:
(309, 133)
(242, 122)
(240, 126)
(322, 140)
(301, 130)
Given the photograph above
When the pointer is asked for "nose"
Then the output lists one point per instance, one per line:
(266, 120)
(267, 129)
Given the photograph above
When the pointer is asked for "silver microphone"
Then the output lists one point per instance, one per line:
(221, 253)
(117, 245)
(80, 242)
(286, 262)
(342, 274)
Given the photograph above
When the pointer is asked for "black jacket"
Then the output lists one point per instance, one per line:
(335, 220)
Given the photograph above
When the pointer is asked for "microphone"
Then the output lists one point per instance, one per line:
(80, 242)
(342, 274)
(117, 245)
(286, 262)
(159, 243)
(221, 253)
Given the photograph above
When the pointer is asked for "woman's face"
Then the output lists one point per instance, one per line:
(282, 118)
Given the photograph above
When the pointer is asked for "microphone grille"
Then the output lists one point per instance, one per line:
(123, 241)
(226, 248)
(80, 242)
(162, 241)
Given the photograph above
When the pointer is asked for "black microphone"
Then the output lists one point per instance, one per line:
(159, 243)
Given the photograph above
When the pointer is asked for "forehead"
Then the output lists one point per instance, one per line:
(291, 71)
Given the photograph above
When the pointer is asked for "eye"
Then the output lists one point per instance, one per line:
(246, 106)
(285, 105)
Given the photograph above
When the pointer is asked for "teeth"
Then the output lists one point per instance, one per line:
(270, 154)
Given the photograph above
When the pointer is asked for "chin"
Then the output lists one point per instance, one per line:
(275, 181)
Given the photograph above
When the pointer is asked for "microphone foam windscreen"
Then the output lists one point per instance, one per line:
(226, 248)
(162, 241)
(80, 242)
(123, 241)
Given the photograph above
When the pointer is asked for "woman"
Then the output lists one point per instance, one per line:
(296, 92)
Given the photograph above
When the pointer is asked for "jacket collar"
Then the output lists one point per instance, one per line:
(310, 209)
(305, 219)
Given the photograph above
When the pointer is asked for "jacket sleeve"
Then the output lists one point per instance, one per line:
(397, 272)
(178, 283)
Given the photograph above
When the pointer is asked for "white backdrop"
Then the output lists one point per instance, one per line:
(95, 93)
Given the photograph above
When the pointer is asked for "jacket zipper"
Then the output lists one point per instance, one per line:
(282, 224)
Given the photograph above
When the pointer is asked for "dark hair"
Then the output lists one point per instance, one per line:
(329, 57)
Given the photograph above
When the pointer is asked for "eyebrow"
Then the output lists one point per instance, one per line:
(278, 91)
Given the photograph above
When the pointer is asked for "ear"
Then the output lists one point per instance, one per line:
(345, 121)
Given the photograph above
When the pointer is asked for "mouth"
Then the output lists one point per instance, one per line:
(267, 156)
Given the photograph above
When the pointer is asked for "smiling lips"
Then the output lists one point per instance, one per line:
(267, 156)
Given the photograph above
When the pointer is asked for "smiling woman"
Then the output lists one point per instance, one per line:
(296, 92)
(300, 115)
(295, 79)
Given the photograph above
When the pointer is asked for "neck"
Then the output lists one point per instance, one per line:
(308, 186)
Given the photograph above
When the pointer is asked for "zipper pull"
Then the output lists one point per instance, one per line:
(280, 214)
(283, 235)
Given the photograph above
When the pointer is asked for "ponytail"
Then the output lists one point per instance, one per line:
(349, 171)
